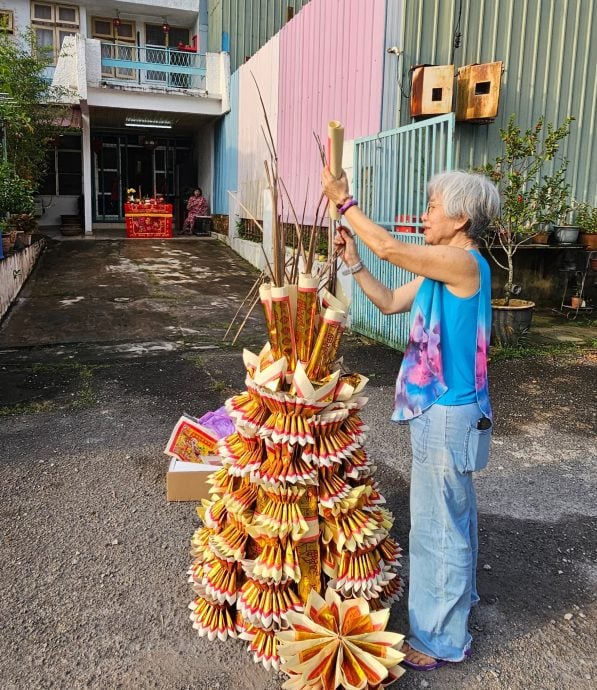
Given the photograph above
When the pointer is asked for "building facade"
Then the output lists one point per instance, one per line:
(145, 94)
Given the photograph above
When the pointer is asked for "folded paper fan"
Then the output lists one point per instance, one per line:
(199, 542)
(276, 563)
(357, 465)
(362, 574)
(296, 682)
(391, 592)
(241, 455)
(267, 606)
(390, 551)
(246, 410)
(215, 514)
(220, 581)
(338, 644)
(211, 619)
(221, 481)
(230, 543)
(286, 465)
(263, 645)
(332, 488)
(354, 530)
(240, 502)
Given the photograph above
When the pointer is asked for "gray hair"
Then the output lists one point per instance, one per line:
(467, 194)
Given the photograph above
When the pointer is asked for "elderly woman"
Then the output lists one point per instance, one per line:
(196, 207)
(441, 391)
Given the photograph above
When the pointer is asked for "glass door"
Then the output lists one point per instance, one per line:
(108, 194)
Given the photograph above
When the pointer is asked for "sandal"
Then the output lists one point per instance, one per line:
(436, 663)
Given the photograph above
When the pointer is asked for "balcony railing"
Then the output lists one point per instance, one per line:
(155, 67)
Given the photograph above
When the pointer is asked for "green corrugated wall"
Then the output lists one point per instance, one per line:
(549, 50)
(249, 24)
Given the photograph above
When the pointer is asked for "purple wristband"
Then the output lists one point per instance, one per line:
(351, 202)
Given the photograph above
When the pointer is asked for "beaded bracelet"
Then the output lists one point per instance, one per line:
(348, 204)
(351, 270)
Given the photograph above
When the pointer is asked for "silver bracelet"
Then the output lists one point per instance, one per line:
(351, 270)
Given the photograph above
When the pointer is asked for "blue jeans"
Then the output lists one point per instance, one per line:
(443, 535)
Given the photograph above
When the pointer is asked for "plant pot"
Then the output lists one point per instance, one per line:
(541, 238)
(593, 264)
(510, 322)
(576, 302)
(566, 234)
(6, 244)
(588, 241)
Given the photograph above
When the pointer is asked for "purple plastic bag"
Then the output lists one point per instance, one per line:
(218, 422)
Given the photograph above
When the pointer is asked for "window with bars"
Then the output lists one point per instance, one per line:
(51, 24)
(64, 167)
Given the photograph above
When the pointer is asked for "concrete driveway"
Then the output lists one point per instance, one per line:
(108, 344)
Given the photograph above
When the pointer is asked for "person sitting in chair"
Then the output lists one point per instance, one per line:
(196, 206)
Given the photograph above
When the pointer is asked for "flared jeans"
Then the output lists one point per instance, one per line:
(443, 536)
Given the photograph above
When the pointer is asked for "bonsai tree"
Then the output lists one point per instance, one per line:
(528, 196)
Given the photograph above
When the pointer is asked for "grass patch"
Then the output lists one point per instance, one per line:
(33, 407)
(504, 353)
(81, 380)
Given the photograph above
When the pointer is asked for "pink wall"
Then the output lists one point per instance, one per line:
(331, 68)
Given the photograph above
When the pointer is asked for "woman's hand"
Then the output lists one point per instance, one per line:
(345, 246)
(336, 189)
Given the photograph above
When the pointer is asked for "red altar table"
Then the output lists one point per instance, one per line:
(148, 220)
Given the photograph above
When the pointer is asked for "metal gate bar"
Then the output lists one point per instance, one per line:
(391, 170)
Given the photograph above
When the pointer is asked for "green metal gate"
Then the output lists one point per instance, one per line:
(391, 170)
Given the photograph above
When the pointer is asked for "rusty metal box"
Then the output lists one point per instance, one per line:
(432, 89)
(478, 92)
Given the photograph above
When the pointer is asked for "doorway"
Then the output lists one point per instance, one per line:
(145, 163)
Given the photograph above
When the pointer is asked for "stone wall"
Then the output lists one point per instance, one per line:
(14, 271)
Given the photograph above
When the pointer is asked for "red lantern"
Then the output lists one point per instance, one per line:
(165, 27)
(116, 22)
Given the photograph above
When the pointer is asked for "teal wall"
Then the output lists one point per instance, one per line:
(226, 152)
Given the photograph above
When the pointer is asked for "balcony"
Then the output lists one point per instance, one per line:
(103, 74)
(153, 68)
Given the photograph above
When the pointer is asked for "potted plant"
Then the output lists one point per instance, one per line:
(576, 301)
(530, 198)
(586, 220)
(566, 229)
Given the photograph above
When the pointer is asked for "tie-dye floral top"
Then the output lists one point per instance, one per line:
(420, 381)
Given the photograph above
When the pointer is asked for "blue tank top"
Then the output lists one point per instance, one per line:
(446, 350)
(459, 345)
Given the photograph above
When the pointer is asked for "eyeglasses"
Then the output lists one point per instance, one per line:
(430, 207)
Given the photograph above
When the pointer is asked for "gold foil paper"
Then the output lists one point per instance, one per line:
(326, 345)
(306, 313)
(284, 324)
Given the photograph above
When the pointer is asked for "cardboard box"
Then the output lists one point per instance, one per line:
(187, 481)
